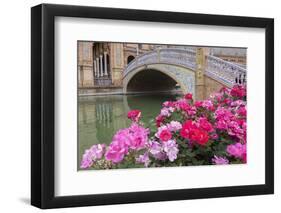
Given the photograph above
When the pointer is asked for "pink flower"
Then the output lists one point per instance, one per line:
(116, 152)
(168, 104)
(208, 104)
(94, 153)
(135, 137)
(242, 111)
(220, 160)
(156, 149)
(171, 149)
(198, 103)
(165, 112)
(165, 135)
(184, 106)
(139, 136)
(237, 150)
(221, 124)
(174, 126)
(134, 115)
(217, 96)
(87, 160)
(123, 136)
(214, 136)
(143, 159)
(204, 124)
(238, 103)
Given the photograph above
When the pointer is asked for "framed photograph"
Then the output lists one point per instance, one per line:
(139, 106)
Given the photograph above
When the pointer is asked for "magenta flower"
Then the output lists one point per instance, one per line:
(138, 136)
(134, 115)
(238, 91)
(116, 151)
(135, 137)
(208, 104)
(204, 124)
(237, 150)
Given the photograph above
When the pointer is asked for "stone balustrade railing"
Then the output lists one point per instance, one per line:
(225, 72)
(174, 56)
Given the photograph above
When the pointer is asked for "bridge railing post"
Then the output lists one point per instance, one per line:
(200, 90)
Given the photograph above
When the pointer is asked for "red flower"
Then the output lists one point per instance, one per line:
(165, 135)
(198, 103)
(159, 120)
(195, 134)
(188, 96)
(134, 115)
(199, 136)
(187, 128)
(238, 91)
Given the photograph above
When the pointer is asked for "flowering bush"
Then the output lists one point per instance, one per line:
(186, 132)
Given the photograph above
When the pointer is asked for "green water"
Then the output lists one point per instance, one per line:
(101, 116)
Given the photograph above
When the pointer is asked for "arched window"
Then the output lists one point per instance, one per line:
(130, 58)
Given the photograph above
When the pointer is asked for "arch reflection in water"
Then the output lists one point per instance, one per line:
(101, 116)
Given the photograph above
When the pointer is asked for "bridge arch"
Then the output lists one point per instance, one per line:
(159, 77)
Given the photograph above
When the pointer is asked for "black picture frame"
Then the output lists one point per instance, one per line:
(43, 105)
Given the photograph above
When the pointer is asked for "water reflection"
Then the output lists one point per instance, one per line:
(101, 116)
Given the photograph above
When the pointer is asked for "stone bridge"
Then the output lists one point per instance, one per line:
(164, 69)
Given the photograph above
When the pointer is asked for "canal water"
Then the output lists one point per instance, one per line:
(101, 116)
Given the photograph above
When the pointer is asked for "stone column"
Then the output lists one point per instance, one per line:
(101, 67)
(98, 68)
(105, 64)
(117, 63)
(95, 68)
(200, 87)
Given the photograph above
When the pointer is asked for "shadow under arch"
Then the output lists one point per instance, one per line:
(147, 80)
